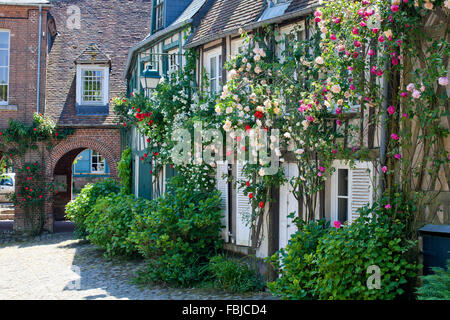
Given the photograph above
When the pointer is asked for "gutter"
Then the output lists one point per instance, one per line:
(254, 25)
(38, 88)
(153, 38)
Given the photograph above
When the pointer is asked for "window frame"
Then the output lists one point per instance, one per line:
(335, 192)
(8, 67)
(158, 20)
(99, 156)
(218, 79)
(105, 85)
(358, 165)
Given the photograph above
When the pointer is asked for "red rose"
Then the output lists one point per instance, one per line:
(250, 195)
(261, 204)
(259, 114)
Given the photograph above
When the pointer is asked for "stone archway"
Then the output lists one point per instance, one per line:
(59, 163)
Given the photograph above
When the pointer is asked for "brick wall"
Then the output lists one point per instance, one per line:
(114, 26)
(23, 23)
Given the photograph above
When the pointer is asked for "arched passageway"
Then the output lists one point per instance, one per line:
(59, 171)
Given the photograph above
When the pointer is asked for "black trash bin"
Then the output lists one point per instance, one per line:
(435, 246)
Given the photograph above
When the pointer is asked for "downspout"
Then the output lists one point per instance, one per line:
(38, 94)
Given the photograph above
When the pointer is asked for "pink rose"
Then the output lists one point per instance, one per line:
(333, 37)
(443, 81)
(391, 110)
(355, 31)
(397, 156)
(410, 87)
(338, 111)
(337, 224)
(404, 94)
(384, 169)
(394, 136)
(381, 39)
(388, 206)
(371, 52)
(338, 122)
(416, 94)
(394, 8)
(321, 169)
(357, 43)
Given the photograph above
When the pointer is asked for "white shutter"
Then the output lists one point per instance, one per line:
(361, 189)
(288, 204)
(222, 186)
(244, 209)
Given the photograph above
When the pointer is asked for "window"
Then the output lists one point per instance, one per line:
(97, 163)
(92, 89)
(6, 181)
(342, 195)
(351, 189)
(214, 69)
(92, 82)
(159, 14)
(172, 62)
(4, 66)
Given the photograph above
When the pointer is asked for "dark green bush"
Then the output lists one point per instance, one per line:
(81, 207)
(298, 280)
(178, 234)
(436, 286)
(124, 168)
(109, 223)
(234, 276)
(333, 264)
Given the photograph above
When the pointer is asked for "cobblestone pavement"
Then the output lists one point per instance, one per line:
(56, 266)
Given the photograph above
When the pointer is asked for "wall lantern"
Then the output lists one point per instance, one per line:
(149, 79)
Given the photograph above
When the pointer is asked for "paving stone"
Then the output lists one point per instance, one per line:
(57, 266)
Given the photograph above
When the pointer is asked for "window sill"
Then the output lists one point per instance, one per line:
(8, 107)
(95, 110)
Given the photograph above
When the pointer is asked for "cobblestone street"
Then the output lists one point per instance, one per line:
(56, 266)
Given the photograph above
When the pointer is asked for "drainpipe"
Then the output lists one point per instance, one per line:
(38, 94)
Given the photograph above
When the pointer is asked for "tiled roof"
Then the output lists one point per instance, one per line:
(297, 5)
(92, 54)
(190, 11)
(228, 15)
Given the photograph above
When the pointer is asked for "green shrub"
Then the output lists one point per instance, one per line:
(298, 280)
(80, 208)
(234, 276)
(335, 267)
(124, 168)
(436, 286)
(110, 221)
(178, 234)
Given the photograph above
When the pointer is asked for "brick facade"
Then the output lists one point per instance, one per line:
(113, 26)
(23, 24)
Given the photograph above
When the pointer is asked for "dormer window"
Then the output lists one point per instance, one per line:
(159, 14)
(92, 94)
(92, 85)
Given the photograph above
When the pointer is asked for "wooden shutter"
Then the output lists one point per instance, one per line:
(244, 210)
(288, 204)
(361, 189)
(222, 186)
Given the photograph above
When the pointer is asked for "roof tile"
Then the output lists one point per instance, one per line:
(227, 15)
